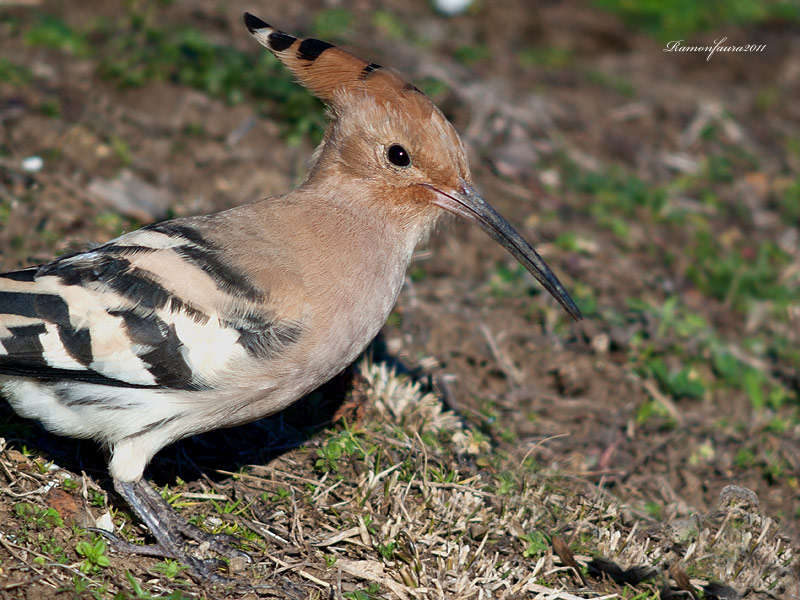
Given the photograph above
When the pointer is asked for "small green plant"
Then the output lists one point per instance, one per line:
(80, 587)
(194, 130)
(330, 560)
(141, 594)
(198, 520)
(38, 517)
(368, 523)
(371, 592)
(549, 57)
(70, 484)
(718, 168)
(586, 299)
(654, 509)
(433, 87)
(738, 276)
(229, 508)
(344, 445)
(470, 54)
(97, 499)
(567, 241)
(122, 149)
(94, 555)
(752, 381)
(652, 409)
(387, 550)
(536, 543)
(27, 452)
(777, 470)
(684, 382)
(51, 548)
(13, 73)
(745, 458)
(506, 483)
(52, 32)
(42, 466)
(511, 281)
(50, 108)
(673, 318)
(169, 568)
(441, 474)
(279, 495)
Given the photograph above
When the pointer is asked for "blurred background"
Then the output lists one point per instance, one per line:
(662, 187)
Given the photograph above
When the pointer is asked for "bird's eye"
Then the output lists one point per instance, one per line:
(398, 156)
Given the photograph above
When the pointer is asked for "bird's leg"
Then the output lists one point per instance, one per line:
(171, 532)
(165, 517)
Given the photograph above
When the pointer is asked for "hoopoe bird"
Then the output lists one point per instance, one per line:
(205, 322)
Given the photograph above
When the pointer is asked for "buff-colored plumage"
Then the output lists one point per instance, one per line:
(207, 322)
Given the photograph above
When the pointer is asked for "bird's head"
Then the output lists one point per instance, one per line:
(387, 135)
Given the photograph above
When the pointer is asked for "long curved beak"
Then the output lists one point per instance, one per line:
(467, 203)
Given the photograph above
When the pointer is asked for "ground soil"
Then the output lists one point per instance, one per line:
(501, 354)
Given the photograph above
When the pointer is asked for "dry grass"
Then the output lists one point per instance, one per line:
(407, 503)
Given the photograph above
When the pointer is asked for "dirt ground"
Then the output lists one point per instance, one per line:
(663, 188)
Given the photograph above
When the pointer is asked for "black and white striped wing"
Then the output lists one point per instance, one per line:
(116, 316)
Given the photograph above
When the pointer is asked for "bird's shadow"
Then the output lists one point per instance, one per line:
(211, 455)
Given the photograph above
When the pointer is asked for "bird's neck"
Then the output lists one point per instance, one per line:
(403, 215)
(356, 263)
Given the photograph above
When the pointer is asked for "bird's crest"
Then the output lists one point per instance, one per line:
(325, 69)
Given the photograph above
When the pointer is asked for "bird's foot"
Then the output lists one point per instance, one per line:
(173, 534)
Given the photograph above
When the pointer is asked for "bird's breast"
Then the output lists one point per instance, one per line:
(353, 307)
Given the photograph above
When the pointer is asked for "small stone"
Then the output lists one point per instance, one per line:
(451, 8)
(32, 164)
